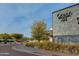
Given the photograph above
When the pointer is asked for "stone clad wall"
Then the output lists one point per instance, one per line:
(66, 28)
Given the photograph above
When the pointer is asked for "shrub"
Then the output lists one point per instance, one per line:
(55, 47)
(31, 44)
(44, 45)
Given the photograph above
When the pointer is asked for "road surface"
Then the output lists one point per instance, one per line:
(6, 50)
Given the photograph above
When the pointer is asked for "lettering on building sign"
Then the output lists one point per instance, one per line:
(64, 16)
(78, 19)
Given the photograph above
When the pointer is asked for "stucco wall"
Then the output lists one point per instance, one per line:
(69, 27)
(66, 30)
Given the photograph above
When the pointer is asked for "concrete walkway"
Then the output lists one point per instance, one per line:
(38, 52)
(30, 50)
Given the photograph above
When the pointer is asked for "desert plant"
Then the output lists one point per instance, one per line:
(73, 49)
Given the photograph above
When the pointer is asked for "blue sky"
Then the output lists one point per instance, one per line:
(18, 18)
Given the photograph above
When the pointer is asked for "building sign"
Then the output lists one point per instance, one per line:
(78, 19)
(64, 16)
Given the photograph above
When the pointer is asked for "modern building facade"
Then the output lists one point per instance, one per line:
(66, 24)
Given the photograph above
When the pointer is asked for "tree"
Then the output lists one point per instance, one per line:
(5, 36)
(39, 30)
(17, 35)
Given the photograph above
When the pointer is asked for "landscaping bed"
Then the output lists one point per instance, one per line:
(49, 46)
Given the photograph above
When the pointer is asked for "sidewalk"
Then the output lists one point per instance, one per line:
(34, 51)
(37, 51)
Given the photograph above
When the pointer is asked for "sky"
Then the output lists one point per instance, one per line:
(19, 18)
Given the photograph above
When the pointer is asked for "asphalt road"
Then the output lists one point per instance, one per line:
(6, 50)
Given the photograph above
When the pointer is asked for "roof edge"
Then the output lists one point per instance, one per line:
(65, 8)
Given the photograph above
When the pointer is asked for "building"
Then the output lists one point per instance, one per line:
(66, 24)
